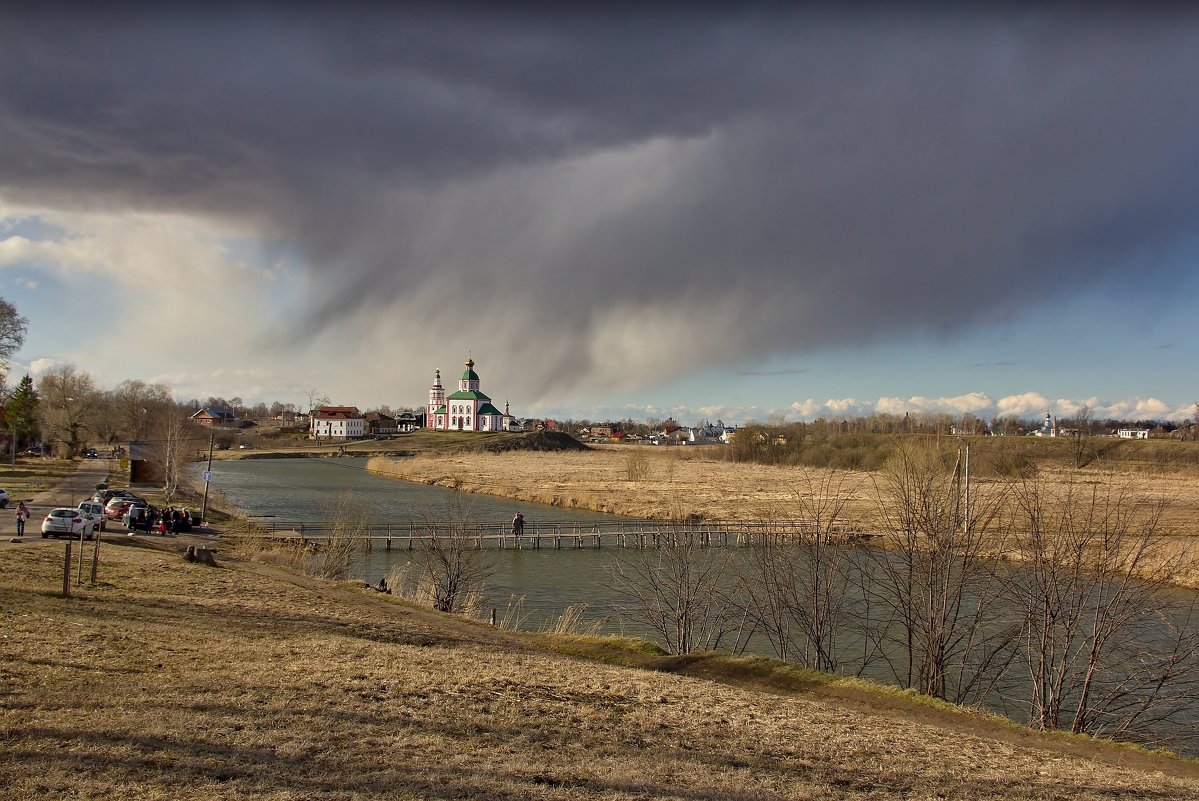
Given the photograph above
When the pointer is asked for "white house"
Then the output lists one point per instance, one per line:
(1133, 433)
(337, 422)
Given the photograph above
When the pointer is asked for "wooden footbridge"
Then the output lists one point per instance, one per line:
(560, 535)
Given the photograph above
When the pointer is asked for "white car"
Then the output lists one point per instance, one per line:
(68, 522)
(3, 498)
(94, 510)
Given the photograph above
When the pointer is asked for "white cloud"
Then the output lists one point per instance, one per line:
(39, 367)
(970, 403)
(1023, 405)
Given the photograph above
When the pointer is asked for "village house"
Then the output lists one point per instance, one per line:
(215, 416)
(337, 422)
(378, 424)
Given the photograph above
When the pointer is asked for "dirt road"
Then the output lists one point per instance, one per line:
(77, 486)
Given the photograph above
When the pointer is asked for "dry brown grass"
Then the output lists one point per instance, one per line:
(676, 482)
(172, 680)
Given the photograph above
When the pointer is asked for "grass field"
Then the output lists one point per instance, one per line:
(31, 474)
(666, 483)
(171, 680)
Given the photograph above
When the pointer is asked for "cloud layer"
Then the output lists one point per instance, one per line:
(589, 200)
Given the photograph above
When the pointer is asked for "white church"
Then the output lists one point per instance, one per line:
(468, 409)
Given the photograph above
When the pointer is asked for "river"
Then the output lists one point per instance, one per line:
(550, 580)
(306, 490)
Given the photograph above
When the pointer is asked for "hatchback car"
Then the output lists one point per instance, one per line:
(68, 523)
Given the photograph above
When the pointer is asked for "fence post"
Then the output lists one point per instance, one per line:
(66, 571)
(95, 558)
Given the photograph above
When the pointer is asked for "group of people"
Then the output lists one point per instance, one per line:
(163, 521)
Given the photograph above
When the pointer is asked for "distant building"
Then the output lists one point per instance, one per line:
(1048, 428)
(468, 409)
(1133, 433)
(337, 422)
(215, 416)
(378, 424)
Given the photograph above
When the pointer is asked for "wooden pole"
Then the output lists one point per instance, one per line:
(79, 571)
(95, 558)
(207, 479)
(66, 571)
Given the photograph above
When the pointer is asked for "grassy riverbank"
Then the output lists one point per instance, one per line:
(174, 680)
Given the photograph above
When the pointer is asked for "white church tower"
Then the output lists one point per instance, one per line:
(436, 405)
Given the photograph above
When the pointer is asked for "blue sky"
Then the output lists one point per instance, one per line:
(686, 212)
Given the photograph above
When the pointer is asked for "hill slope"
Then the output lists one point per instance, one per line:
(174, 680)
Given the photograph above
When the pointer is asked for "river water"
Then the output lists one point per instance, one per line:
(547, 580)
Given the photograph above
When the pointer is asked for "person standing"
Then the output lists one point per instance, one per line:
(22, 516)
(518, 525)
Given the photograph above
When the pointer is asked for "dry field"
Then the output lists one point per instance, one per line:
(673, 483)
(171, 680)
(676, 482)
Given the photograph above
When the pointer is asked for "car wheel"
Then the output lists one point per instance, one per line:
(4, 503)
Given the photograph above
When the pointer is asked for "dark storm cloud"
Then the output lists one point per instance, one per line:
(709, 186)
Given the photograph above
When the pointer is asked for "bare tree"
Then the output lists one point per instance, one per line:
(1080, 436)
(679, 588)
(67, 408)
(177, 438)
(316, 399)
(138, 406)
(452, 561)
(935, 582)
(12, 332)
(798, 588)
(350, 528)
(1110, 648)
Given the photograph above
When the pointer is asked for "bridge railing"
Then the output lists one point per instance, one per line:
(655, 532)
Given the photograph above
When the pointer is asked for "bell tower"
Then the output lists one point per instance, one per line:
(436, 400)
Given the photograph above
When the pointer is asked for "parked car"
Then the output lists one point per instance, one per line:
(69, 523)
(90, 453)
(3, 498)
(115, 509)
(104, 496)
(245, 446)
(95, 511)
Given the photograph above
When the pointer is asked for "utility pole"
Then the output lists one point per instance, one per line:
(207, 479)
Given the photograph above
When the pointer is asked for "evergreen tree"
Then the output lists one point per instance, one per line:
(20, 413)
